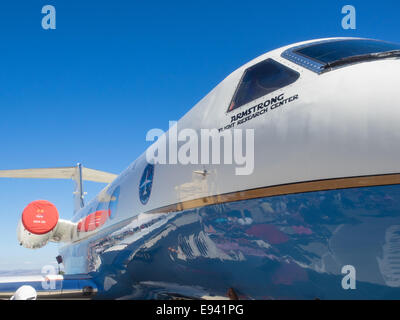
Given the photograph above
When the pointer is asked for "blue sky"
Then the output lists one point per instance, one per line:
(112, 70)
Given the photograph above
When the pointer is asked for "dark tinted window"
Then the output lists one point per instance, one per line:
(112, 205)
(327, 52)
(261, 79)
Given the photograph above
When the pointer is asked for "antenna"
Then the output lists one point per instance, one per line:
(78, 192)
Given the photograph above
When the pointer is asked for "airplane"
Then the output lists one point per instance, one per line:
(318, 217)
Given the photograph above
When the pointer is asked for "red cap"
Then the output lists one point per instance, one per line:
(40, 217)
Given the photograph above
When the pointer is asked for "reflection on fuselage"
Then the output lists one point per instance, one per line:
(292, 246)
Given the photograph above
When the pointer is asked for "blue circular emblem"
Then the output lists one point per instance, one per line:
(146, 182)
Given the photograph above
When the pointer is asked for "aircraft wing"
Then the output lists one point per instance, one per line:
(59, 173)
(77, 173)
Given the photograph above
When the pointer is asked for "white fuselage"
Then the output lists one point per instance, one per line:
(343, 124)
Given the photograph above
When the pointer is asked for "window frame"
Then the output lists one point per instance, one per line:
(252, 67)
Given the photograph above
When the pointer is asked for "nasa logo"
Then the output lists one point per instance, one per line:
(146, 182)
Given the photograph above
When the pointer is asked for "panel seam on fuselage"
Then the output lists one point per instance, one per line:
(284, 189)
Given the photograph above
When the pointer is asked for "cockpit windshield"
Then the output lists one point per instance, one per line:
(318, 56)
(332, 51)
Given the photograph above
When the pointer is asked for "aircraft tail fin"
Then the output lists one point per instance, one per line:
(77, 173)
(59, 173)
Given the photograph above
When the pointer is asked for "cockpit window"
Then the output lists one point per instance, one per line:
(260, 80)
(112, 205)
(325, 55)
(331, 51)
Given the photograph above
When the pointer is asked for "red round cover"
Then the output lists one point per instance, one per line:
(40, 217)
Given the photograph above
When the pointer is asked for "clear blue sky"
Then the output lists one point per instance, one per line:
(90, 90)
